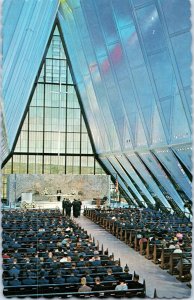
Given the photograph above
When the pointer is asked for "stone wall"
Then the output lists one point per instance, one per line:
(84, 187)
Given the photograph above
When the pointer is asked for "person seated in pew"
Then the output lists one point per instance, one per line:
(97, 286)
(109, 276)
(54, 265)
(89, 279)
(15, 244)
(17, 255)
(75, 256)
(100, 269)
(135, 282)
(143, 239)
(81, 262)
(84, 287)
(6, 255)
(177, 249)
(117, 268)
(110, 261)
(73, 268)
(16, 264)
(59, 251)
(164, 242)
(96, 262)
(50, 246)
(43, 272)
(126, 275)
(171, 245)
(30, 273)
(14, 282)
(41, 246)
(65, 258)
(14, 271)
(29, 280)
(5, 245)
(42, 280)
(72, 278)
(122, 286)
(58, 279)
(35, 259)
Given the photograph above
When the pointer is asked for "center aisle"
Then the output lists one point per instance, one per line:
(167, 286)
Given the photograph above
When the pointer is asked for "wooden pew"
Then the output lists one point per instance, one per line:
(132, 238)
(143, 247)
(184, 270)
(157, 253)
(149, 250)
(127, 235)
(165, 258)
(174, 259)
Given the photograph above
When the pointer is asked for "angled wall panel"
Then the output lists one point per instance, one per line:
(24, 46)
(154, 166)
(109, 167)
(167, 157)
(122, 173)
(128, 167)
(137, 163)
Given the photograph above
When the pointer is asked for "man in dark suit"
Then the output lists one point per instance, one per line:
(76, 208)
(14, 281)
(81, 262)
(116, 268)
(14, 271)
(96, 262)
(72, 278)
(89, 279)
(32, 249)
(109, 276)
(29, 281)
(98, 286)
(43, 280)
(58, 279)
(134, 284)
(63, 206)
(68, 208)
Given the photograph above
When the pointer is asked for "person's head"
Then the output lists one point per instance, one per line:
(122, 281)
(109, 271)
(73, 265)
(116, 263)
(97, 280)
(86, 273)
(83, 281)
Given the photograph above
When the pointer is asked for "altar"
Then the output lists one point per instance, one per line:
(53, 198)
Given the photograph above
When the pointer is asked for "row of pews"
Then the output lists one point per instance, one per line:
(164, 257)
(38, 261)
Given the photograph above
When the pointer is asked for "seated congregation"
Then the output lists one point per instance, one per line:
(164, 238)
(48, 254)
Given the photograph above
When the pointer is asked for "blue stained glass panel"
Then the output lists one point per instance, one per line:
(151, 28)
(174, 11)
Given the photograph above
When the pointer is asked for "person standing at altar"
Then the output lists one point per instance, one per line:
(63, 206)
(68, 206)
(58, 195)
